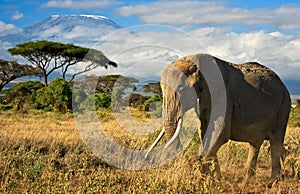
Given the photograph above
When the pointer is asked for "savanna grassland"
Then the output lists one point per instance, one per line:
(42, 152)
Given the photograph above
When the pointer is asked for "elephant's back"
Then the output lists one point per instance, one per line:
(261, 77)
(256, 71)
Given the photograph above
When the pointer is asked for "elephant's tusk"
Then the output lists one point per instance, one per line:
(155, 142)
(176, 134)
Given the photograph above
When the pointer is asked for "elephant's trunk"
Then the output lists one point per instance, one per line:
(172, 122)
(175, 135)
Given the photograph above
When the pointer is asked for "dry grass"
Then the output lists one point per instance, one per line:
(44, 153)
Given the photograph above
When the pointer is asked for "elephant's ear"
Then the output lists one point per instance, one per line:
(193, 75)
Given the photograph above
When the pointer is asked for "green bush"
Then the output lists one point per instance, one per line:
(22, 90)
(78, 96)
(56, 96)
(298, 103)
(101, 100)
(150, 103)
(22, 95)
(137, 101)
(294, 119)
(154, 105)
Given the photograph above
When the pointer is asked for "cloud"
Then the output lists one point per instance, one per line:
(4, 26)
(18, 15)
(212, 12)
(143, 51)
(81, 4)
(7, 29)
(273, 49)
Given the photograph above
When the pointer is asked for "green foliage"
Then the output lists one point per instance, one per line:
(57, 96)
(79, 96)
(5, 107)
(21, 96)
(22, 90)
(98, 101)
(11, 70)
(116, 97)
(152, 87)
(298, 103)
(49, 56)
(137, 101)
(152, 101)
(294, 119)
(106, 84)
(154, 105)
(102, 100)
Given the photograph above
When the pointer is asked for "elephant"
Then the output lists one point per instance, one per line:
(255, 102)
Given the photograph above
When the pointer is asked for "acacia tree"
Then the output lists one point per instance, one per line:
(106, 84)
(153, 87)
(11, 70)
(50, 56)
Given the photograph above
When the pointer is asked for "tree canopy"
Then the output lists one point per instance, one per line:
(11, 70)
(153, 87)
(106, 84)
(50, 56)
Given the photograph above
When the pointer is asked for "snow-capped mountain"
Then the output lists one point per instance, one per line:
(77, 29)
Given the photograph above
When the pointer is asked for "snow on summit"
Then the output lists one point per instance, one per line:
(77, 29)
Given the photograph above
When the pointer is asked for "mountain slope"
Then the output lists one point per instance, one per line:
(77, 29)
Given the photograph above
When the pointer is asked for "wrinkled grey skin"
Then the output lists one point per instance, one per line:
(258, 106)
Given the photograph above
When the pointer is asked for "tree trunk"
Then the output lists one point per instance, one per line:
(1, 86)
(45, 77)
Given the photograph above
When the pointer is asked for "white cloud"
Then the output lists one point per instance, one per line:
(145, 52)
(18, 15)
(212, 12)
(4, 26)
(276, 50)
(7, 28)
(80, 4)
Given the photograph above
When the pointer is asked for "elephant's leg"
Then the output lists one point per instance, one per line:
(210, 163)
(277, 151)
(211, 160)
(252, 159)
(221, 138)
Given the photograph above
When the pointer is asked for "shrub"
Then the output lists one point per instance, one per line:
(294, 119)
(137, 101)
(22, 95)
(56, 96)
(78, 96)
(22, 90)
(102, 100)
(298, 103)
(154, 105)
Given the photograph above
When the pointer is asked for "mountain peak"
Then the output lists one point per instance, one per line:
(78, 29)
(82, 15)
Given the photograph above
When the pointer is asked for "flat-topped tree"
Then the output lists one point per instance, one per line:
(152, 87)
(50, 56)
(11, 70)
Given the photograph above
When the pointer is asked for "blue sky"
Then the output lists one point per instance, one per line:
(126, 13)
